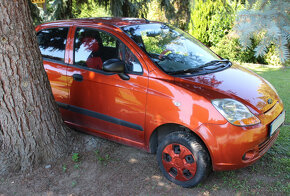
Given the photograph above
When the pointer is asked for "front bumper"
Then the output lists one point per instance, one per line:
(233, 147)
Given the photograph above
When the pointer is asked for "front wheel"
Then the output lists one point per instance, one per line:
(183, 159)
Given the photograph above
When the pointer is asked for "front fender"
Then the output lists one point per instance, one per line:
(169, 103)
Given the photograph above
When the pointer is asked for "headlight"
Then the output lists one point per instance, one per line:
(235, 112)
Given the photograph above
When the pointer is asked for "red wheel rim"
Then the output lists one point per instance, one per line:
(179, 162)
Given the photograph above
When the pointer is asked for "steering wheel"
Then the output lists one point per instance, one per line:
(163, 53)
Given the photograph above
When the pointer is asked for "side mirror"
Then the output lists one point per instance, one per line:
(116, 66)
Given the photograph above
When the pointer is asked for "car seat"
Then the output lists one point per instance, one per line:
(94, 60)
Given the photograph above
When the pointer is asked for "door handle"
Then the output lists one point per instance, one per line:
(78, 77)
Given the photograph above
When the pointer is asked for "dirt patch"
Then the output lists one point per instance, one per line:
(113, 169)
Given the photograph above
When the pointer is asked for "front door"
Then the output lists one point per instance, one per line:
(101, 101)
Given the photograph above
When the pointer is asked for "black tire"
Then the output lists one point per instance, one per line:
(178, 144)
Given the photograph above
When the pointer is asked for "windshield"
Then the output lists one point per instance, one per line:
(171, 48)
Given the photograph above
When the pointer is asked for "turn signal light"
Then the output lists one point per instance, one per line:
(247, 121)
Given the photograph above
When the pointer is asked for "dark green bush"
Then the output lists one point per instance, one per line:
(230, 48)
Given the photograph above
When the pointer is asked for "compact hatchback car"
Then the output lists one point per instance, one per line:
(152, 86)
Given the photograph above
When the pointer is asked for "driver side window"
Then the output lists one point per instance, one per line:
(92, 48)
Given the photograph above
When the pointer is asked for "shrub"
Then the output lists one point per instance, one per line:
(89, 9)
(212, 20)
(229, 48)
(272, 57)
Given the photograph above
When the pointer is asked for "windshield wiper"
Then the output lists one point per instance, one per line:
(202, 67)
(191, 70)
(216, 62)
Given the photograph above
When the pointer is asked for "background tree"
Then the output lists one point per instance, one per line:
(31, 129)
(177, 12)
(64, 9)
(89, 9)
(268, 20)
(211, 20)
(36, 13)
(126, 8)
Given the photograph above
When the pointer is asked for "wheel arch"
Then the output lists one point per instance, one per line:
(165, 129)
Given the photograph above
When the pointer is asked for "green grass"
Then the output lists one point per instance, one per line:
(75, 157)
(276, 163)
(271, 174)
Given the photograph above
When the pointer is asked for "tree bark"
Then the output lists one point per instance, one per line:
(31, 128)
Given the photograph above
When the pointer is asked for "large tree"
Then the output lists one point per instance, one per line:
(31, 129)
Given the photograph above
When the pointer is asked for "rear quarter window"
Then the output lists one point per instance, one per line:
(52, 42)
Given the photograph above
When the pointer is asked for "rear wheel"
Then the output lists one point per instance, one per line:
(183, 159)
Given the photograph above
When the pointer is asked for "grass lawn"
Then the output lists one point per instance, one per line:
(271, 174)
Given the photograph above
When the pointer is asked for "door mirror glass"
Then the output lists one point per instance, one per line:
(114, 65)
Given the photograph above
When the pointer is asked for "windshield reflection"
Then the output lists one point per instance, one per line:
(169, 47)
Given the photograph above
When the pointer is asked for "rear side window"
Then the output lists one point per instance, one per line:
(52, 42)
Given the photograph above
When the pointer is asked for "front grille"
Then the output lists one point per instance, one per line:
(266, 144)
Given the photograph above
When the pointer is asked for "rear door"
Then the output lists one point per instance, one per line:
(101, 101)
(52, 43)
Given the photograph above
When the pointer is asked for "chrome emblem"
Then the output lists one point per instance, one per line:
(270, 101)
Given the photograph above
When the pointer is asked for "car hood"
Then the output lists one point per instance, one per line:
(235, 82)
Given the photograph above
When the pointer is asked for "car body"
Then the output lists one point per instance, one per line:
(143, 105)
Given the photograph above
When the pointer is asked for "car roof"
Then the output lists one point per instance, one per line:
(107, 21)
(116, 21)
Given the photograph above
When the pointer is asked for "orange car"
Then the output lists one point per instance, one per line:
(152, 86)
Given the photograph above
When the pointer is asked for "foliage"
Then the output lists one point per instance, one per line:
(64, 9)
(125, 8)
(102, 159)
(155, 12)
(75, 157)
(64, 167)
(272, 57)
(269, 19)
(211, 20)
(36, 13)
(55, 10)
(73, 183)
(90, 9)
(177, 12)
(230, 48)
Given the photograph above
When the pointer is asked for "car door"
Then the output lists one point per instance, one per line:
(52, 43)
(102, 102)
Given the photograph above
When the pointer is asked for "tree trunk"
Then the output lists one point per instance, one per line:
(31, 128)
(125, 9)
